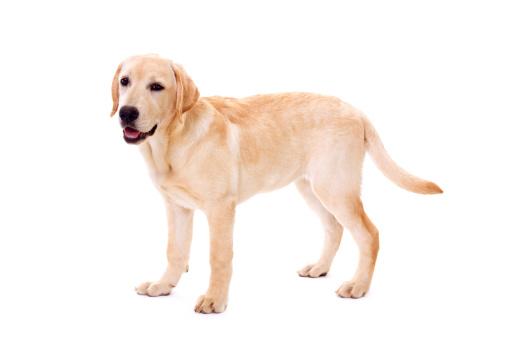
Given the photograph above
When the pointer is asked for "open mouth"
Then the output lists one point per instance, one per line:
(131, 135)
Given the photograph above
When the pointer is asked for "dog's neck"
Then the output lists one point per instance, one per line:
(171, 144)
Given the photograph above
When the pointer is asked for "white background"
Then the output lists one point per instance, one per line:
(81, 224)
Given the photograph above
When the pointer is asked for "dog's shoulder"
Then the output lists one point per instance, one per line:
(233, 109)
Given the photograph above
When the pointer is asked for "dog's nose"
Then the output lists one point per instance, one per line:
(128, 114)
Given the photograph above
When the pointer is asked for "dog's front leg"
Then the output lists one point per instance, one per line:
(180, 222)
(221, 224)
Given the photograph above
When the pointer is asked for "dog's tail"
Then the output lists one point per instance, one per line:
(389, 168)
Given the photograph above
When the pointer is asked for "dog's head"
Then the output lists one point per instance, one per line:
(150, 92)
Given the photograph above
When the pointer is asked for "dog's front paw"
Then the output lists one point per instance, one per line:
(207, 304)
(352, 290)
(154, 289)
(313, 270)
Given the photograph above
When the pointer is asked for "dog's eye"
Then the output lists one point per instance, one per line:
(156, 87)
(124, 81)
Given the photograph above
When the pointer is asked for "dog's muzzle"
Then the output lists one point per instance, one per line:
(133, 136)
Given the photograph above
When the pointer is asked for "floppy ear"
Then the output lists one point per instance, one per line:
(187, 92)
(115, 90)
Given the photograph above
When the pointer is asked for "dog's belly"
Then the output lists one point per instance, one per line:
(266, 177)
(269, 160)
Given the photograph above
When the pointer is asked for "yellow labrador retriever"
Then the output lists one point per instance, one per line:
(212, 153)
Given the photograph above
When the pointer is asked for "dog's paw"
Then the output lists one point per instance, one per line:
(352, 290)
(154, 289)
(313, 271)
(207, 304)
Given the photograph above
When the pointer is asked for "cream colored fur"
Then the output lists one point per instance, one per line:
(216, 152)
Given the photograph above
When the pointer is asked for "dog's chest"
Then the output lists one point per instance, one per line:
(168, 182)
(175, 190)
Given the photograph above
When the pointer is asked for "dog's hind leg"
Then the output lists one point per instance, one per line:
(332, 232)
(351, 214)
(336, 182)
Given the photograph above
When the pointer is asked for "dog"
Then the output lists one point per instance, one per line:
(213, 153)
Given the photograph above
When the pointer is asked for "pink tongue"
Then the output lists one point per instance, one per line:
(131, 133)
